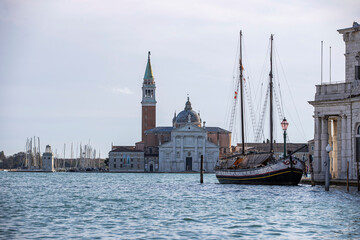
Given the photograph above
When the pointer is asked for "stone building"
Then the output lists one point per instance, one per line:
(175, 148)
(337, 115)
(48, 160)
(126, 159)
(178, 148)
(183, 152)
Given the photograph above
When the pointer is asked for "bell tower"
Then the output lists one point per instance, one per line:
(148, 100)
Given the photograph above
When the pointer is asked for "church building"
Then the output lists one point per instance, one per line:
(337, 116)
(177, 148)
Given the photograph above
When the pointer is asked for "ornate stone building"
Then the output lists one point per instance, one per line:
(176, 148)
(183, 152)
(337, 115)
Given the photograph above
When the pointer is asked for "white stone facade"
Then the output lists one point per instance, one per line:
(337, 116)
(183, 152)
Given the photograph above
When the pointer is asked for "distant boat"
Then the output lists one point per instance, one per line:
(259, 168)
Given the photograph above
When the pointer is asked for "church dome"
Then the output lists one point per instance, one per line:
(187, 115)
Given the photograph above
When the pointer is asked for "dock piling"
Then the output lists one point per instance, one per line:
(347, 176)
(327, 168)
(201, 169)
(311, 170)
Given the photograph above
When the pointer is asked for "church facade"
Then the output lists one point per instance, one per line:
(183, 152)
(337, 116)
(180, 146)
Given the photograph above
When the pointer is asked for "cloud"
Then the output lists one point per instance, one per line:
(124, 90)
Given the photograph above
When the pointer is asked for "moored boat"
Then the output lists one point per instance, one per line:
(262, 171)
(260, 168)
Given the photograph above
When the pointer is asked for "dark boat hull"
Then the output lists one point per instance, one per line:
(288, 176)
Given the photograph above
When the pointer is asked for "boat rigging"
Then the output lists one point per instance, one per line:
(256, 167)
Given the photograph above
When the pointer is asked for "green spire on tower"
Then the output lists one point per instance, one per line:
(148, 71)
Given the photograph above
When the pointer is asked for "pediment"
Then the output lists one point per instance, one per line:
(189, 128)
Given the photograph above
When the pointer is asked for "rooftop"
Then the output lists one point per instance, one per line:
(124, 149)
(169, 129)
(148, 72)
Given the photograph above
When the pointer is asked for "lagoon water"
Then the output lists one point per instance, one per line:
(169, 206)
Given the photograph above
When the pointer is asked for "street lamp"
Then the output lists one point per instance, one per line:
(327, 167)
(284, 126)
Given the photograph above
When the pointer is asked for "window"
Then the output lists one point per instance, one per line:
(132, 160)
(138, 166)
(114, 165)
(120, 165)
(132, 165)
(357, 145)
(357, 72)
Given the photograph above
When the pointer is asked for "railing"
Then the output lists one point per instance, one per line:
(337, 90)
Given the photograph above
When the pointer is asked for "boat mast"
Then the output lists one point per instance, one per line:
(242, 98)
(271, 96)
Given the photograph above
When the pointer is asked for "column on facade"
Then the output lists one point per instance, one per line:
(182, 161)
(317, 146)
(174, 154)
(350, 148)
(334, 160)
(204, 152)
(196, 152)
(330, 141)
(324, 143)
(342, 165)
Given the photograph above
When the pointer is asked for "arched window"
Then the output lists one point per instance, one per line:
(358, 130)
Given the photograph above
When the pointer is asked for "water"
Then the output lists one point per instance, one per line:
(169, 206)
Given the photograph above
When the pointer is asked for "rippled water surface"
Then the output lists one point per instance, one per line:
(172, 206)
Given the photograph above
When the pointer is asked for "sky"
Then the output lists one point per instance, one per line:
(72, 71)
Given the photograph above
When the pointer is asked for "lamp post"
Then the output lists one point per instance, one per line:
(327, 168)
(284, 126)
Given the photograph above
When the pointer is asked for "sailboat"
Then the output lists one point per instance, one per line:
(259, 167)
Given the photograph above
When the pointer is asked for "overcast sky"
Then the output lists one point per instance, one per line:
(71, 71)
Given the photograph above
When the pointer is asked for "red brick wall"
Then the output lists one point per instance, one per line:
(148, 119)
